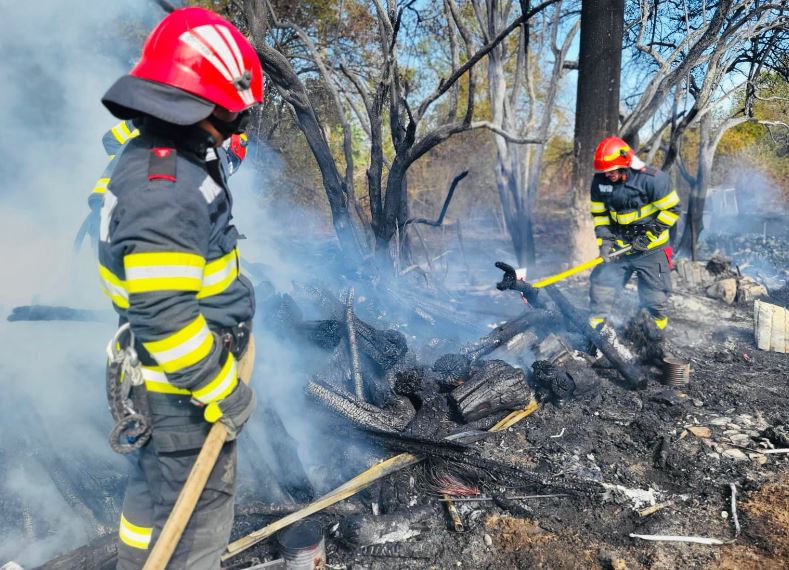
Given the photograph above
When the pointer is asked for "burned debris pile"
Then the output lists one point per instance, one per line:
(606, 451)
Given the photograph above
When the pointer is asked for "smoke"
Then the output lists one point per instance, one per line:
(56, 60)
(59, 481)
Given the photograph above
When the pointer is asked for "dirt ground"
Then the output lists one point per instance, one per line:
(621, 452)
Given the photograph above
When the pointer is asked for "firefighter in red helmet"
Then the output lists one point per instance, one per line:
(632, 204)
(169, 262)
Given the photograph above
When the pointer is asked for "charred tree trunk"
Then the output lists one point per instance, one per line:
(698, 193)
(596, 108)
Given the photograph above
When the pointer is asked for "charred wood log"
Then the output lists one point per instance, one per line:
(453, 370)
(324, 334)
(492, 387)
(632, 373)
(384, 347)
(564, 382)
(505, 332)
(57, 313)
(293, 477)
(360, 413)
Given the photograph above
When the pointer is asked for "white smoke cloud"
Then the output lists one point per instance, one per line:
(56, 60)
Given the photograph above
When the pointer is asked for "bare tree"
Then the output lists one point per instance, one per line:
(694, 57)
(371, 94)
(516, 108)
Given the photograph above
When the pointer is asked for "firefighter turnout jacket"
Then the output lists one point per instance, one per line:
(113, 141)
(168, 260)
(643, 204)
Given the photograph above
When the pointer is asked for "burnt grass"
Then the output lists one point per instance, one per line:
(596, 451)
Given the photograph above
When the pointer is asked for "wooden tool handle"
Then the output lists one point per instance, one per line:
(193, 487)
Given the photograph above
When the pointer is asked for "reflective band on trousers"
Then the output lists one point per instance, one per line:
(163, 271)
(221, 385)
(133, 535)
(601, 221)
(594, 322)
(156, 381)
(186, 347)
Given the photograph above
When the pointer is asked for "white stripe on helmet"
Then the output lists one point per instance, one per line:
(211, 36)
(199, 44)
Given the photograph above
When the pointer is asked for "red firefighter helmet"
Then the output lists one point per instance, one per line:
(191, 62)
(611, 154)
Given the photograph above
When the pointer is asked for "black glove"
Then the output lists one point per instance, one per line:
(233, 411)
(606, 249)
(511, 281)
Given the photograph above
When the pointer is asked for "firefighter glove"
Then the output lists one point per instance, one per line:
(606, 249)
(644, 241)
(233, 411)
(509, 280)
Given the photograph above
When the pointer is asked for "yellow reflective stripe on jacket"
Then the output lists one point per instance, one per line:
(625, 218)
(114, 287)
(221, 385)
(601, 221)
(661, 323)
(122, 133)
(156, 381)
(668, 218)
(186, 347)
(667, 201)
(101, 186)
(598, 207)
(163, 271)
(219, 274)
(133, 535)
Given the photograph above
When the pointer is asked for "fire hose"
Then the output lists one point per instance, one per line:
(129, 409)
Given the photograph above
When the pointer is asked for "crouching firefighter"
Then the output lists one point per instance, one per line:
(168, 260)
(632, 204)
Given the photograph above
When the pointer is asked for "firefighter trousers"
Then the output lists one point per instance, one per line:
(161, 469)
(653, 274)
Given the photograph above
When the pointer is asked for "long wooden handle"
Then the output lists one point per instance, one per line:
(193, 487)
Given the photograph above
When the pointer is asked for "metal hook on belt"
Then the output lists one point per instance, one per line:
(132, 428)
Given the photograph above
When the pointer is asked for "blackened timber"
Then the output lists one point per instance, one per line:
(58, 313)
(634, 375)
(504, 333)
(294, 477)
(365, 416)
(493, 386)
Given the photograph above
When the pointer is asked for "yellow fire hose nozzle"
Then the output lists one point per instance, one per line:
(578, 268)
